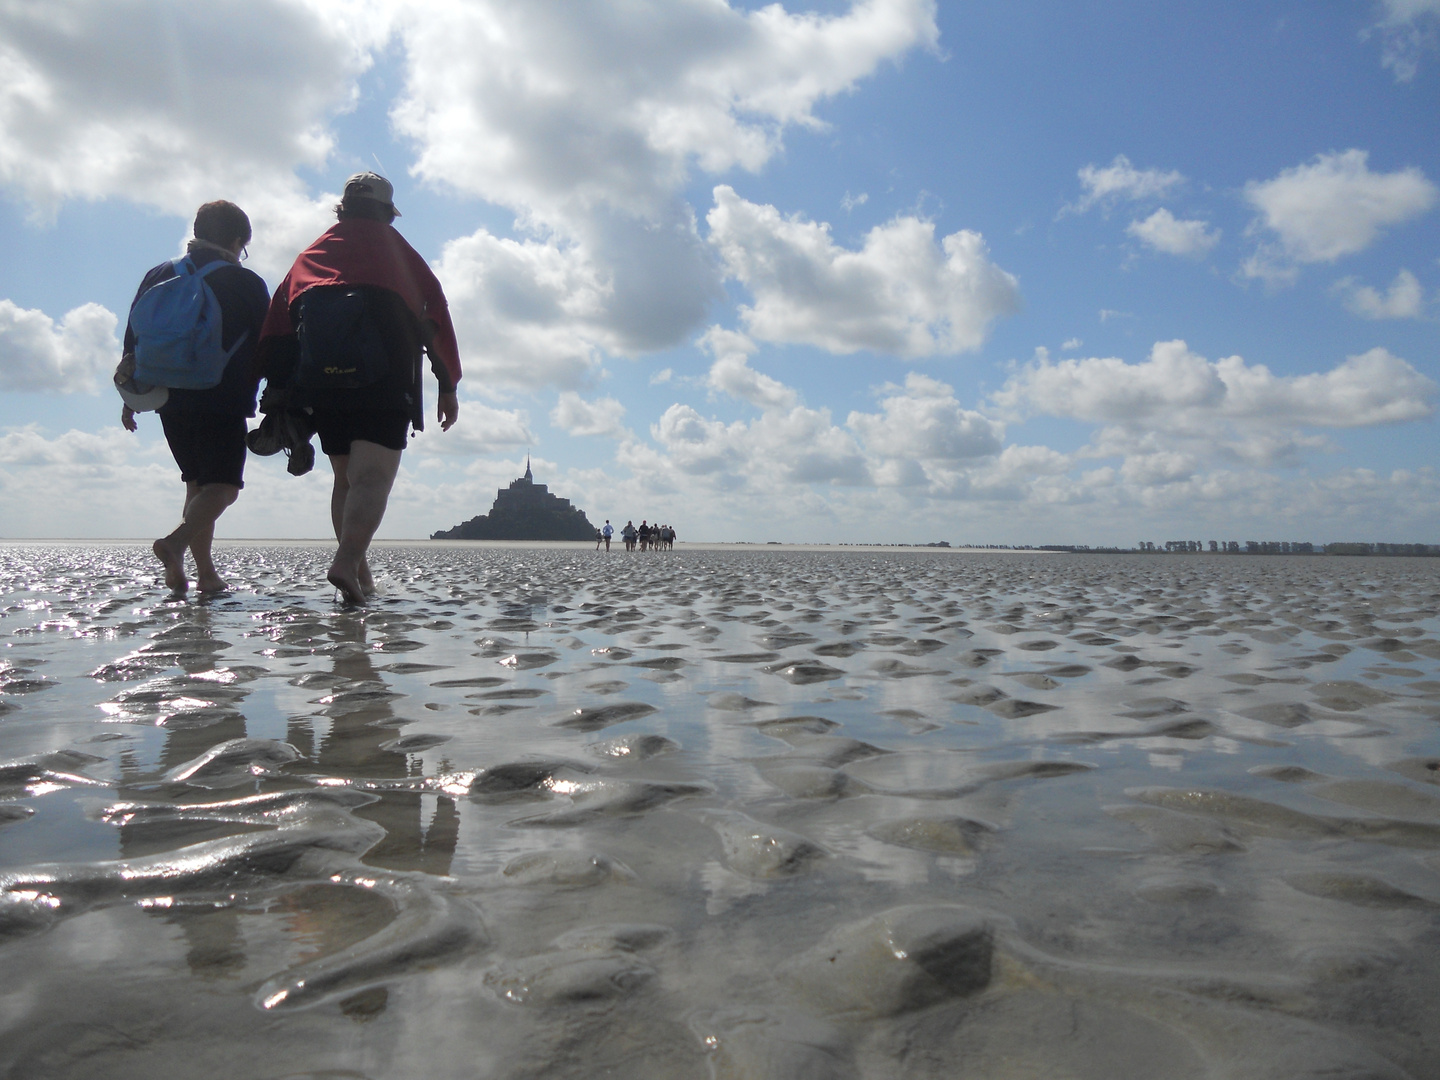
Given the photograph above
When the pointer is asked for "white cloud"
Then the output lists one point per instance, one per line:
(925, 422)
(696, 445)
(1331, 207)
(75, 356)
(779, 449)
(1403, 300)
(1163, 467)
(1407, 28)
(589, 121)
(1371, 388)
(1225, 441)
(1121, 180)
(804, 447)
(1265, 448)
(731, 372)
(1176, 389)
(921, 438)
(736, 481)
(527, 313)
(899, 294)
(587, 118)
(1164, 232)
(1268, 264)
(1207, 438)
(1071, 344)
(550, 106)
(481, 429)
(130, 488)
(75, 449)
(115, 483)
(1019, 462)
(1112, 391)
(234, 97)
(1345, 504)
(579, 417)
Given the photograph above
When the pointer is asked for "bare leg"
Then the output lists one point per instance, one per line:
(363, 479)
(340, 463)
(206, 576)
(204, 503)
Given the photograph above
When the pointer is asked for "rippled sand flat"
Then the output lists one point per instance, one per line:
(539, 812)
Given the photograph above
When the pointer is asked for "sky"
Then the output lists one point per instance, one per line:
(1032, 272)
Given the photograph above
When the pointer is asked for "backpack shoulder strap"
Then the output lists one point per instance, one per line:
(201, 272)
(186, 266)
(214, 264)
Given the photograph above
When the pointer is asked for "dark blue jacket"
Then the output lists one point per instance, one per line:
(244, 300)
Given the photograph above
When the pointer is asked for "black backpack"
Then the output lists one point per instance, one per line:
(341, 347)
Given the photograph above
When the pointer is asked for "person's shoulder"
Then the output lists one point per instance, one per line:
(154, 276)
(255, 281)
(408, 251)
(377, 237)
(158, 273)
(235, 276)
(236, 272)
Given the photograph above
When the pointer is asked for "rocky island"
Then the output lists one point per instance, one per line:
(524, 511)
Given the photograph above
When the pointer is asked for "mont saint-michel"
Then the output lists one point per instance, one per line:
(524, 511)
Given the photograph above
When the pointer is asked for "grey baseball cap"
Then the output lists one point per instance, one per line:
(369, 185)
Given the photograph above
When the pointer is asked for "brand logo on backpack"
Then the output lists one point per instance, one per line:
(341, 347)
(178, 325)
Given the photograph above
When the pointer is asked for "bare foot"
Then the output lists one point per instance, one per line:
(210, 582)
(350, 590)
(174, 563)
(367, 583)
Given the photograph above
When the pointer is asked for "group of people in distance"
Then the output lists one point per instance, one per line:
(359, 292)
(648, 537)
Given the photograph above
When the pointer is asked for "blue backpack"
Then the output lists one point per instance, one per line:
(177, 326)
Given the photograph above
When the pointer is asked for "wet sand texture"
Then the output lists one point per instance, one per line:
(725, 814)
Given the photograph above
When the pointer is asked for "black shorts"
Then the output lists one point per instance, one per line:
(338, 428)
(208, 447)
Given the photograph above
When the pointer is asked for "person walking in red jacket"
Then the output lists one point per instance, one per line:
(343, 339)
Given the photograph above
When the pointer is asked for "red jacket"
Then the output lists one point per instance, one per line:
(361, 251)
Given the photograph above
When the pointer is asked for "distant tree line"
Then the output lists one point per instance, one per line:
(1249, 547)
(1217, 547)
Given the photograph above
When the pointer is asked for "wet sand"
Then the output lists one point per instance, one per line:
(732, 813)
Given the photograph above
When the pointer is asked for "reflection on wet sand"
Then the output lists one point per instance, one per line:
(727, 814)
(420, 829)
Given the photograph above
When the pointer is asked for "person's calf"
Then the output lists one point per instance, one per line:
(204, 505)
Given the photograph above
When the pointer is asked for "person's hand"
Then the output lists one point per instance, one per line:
(447, 409)
(127, 419)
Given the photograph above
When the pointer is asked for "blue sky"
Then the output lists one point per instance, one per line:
(1028, 272)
